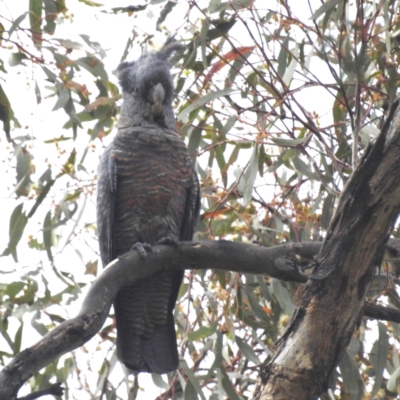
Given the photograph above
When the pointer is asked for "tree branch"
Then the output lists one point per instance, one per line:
(55, 390)
(278, 262)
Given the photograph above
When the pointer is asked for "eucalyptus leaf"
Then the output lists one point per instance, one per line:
(382, 349)
(18, 221)
(327, 6)
(35, 18)
(289, 142)
(159, 381)
(192, 379)
(250, 176)
(184, 114)
(17, 23)
(247, 351)
(351, 376)
(392, 384)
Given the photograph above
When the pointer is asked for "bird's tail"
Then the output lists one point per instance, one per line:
(158, 353)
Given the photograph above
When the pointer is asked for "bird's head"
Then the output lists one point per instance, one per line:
(147, 85)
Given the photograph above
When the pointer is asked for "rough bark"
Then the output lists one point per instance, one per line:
(323, 324)
(278, 262)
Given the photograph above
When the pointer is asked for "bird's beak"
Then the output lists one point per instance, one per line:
(156, 98)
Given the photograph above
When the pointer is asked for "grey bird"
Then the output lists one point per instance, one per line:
(148, 193)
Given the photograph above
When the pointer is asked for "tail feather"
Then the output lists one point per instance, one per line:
(157, 354)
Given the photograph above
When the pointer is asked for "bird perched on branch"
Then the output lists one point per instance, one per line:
(148, 193)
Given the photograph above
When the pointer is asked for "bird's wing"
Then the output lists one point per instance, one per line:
(106, 187)
(192, 209)
(160, 351)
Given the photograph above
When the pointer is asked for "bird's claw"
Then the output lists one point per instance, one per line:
(171, 240)
(142, 249)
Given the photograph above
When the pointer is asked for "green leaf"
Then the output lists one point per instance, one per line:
(164, 13)
(159, 381)
(219, 155)
(203, 332)
(303, 169)
(13, 289)
(327, 210)
(6, 112)
(222, 27)
(392, 381)
(282, 57)
(69, 44)
(190, 392)
(382, 348)
(24, 170)
(288, 76)
(29, 294)
(192, 379)
(228, 387)
(16, 23)
(37, 93)
(229, 124)
(250, 176)
(51, 12)
(18, 221)
(190, 58)
(129, 9)
(91, 3)
(247, 351)
(6, 336)
(82, 117)
(48, 235)
(94, 45)
(35, 19)
(17, 339)
(232, 158)
(327, 6)
(255, 306)
(184, 115)
(203, 39)
(216, 6)
(2, 30)
(351, 376)
(240, 4)
(63, 96)
(283, 296)
(289, 142)
(94, 66)
(194, 138)
(44, 185)
(51, 77)
(16, 59)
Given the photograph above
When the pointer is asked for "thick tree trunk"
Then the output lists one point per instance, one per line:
(332, 301)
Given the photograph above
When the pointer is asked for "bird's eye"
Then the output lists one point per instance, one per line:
(135, 89)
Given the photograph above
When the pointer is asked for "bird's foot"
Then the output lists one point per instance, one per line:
(142, 248)
(171, 240)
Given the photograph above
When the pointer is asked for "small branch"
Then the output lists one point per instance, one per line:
(384, 313)
(55, 390)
